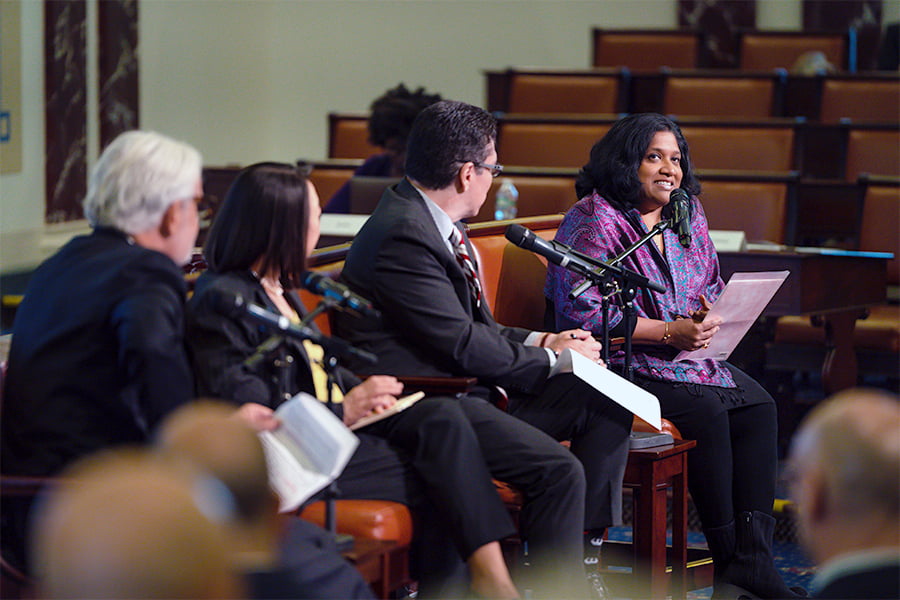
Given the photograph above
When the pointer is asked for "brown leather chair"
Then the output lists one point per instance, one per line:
(563, 93)
(348, 136)
(763, 146)
(720, 95)
(872, 151)
(548, 142)
(757, 208)
(646, 48)
(764, 50)
(538, 195)
(860, 99)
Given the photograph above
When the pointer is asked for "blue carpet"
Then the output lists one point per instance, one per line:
(796, 568)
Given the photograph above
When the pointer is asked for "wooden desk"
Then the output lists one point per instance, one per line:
(384, 564)
(838, 287)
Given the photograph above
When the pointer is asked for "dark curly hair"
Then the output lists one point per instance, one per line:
(393, 113)
(615, 159)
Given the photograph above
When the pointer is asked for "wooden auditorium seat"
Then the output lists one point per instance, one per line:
(876, 337)
(763, 50)
(872, 151)
(860, 98)
(538, 195)
(646, 48)
(756, 204)
(560, 92)
(764, 145)
(723, 94)
(348, 136)
(537, 141)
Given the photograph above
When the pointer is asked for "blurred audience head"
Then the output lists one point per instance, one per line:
(127, 524)
(268, 222)
(445, 136)
(144, 181)
(845, 474)
(614, 161)
(391, 118)
(812, 63)
(213, 437)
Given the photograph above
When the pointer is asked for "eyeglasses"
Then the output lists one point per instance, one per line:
(496, 170)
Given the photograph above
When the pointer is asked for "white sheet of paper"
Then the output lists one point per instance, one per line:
(739, 305)
(639, 401)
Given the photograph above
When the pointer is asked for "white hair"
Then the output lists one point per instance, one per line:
(138, 176)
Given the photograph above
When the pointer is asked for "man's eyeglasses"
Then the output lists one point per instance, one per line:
(495, 169)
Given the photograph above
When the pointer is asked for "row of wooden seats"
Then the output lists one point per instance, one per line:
(830, 151)
(686, 48)
(872, 96)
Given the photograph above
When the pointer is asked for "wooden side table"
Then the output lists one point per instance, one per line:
(650, 472)
(384, 564)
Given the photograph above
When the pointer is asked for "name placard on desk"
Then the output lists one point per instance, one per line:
(341, 225)
(728, 241)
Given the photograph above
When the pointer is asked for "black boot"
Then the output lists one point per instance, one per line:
(752, 566)
(721, 541)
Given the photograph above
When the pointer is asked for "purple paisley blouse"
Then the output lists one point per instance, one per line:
(596, 228)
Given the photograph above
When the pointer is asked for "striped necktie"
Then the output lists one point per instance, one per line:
(468, 267)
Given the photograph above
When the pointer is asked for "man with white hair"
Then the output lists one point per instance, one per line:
(845, 463)
(97, 358)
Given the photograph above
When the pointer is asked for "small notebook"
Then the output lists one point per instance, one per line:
(399, 405)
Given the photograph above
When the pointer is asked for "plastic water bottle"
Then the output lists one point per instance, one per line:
(505, 201)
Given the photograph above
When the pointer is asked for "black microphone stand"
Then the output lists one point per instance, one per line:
(612, 279)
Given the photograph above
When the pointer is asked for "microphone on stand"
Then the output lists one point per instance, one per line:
(573, 260)
(326, 287)
(681, 215)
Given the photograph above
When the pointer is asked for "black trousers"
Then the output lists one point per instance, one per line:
(447, 451)
(599, 429)
(734, 465)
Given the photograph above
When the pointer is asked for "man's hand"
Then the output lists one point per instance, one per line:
(578, 340)
(375, 394)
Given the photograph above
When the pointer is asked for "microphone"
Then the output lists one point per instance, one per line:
(681, 215)
(555, 252)
(564, 256)
(328, 288)
(235, 306)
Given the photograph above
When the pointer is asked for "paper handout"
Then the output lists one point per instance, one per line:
(637, 400)
(739, 305)
(307, 452)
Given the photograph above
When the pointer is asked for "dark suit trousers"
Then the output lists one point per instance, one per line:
(598, 428)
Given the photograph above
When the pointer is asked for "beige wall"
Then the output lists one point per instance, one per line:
(248, 80)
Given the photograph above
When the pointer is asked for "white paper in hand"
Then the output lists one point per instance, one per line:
(637, 400)
(739, 305)
(307, 452)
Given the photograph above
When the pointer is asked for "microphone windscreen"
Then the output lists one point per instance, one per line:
(679, 195)
(517, 234)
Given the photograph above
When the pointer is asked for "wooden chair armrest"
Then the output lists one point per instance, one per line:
(438, 385)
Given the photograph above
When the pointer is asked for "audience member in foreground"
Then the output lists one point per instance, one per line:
(97, 358)
(625, 191)
(257, 248)
(845, 479)
(412, 259)
(127, 525)
(280, 556)
(392, 116)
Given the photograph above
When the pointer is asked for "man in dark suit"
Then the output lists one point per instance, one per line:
(96, 358)
(412, 259)
(845, 465)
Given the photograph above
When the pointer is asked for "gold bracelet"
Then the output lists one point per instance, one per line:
(666, 335)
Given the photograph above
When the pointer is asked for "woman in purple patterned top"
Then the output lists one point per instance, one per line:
(625, 190)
